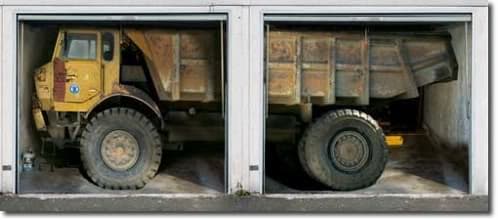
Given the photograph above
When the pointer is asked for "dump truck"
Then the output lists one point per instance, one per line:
(111, 90)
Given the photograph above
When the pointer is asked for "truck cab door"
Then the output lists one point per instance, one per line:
(77, 68)
(110, 60)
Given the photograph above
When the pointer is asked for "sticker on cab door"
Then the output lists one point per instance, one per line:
(74, 89)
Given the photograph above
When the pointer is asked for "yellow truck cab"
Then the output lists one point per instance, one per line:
(85, 67)
(82, 76)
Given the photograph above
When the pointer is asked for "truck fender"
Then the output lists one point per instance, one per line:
(133, 93)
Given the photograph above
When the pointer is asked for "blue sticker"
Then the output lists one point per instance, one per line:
(74, 89)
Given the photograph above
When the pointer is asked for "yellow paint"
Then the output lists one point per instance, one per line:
(43, 84)
(39, 120)
(87, 76)
(394, 141)
(94, 78)
(76, 107)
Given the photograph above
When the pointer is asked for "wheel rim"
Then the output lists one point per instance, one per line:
(349, 151)
(119, 150)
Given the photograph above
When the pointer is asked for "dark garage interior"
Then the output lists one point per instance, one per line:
(432, 159)
(195, 165)
(435, 127)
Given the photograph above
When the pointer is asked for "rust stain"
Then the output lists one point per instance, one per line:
(303, 65)
(59, 80)
(350, 64)
(184, 63)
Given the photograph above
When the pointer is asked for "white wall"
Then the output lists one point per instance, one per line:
(237, 73)
(250, 2)
(447, 110)
(2, 148)
(245, 122)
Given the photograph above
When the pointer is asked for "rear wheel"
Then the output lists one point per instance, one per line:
(120, 149)
(344, 149)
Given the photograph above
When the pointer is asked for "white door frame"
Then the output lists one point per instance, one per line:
(478, 153)
(237, 74)
(245, 72)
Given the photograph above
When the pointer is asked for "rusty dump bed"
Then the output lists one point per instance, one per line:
(304, 66)
(351, 67)
(184, 64)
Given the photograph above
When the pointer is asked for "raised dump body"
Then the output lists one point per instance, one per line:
(351, 67)
(315, 67)
(183, 64)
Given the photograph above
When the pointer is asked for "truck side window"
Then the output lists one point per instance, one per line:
(80, 46)
(107, 46)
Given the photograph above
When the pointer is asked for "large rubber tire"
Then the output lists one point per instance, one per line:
(322, 138)
(146, 142)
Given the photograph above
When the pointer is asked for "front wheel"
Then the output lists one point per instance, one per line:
(344, 149)
(120, 149)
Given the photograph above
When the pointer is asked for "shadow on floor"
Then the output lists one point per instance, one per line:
(413, 168)
(416, 167)
(196, 169)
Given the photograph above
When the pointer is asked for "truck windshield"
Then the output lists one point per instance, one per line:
(80, 46)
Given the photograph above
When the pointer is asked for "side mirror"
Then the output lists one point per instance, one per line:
(107, 46)
(107, 55)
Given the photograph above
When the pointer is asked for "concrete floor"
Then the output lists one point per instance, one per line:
(189, 171)
(303, 203)
(417, 178)
(415, 168)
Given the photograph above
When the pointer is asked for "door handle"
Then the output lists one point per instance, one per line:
(70, 77)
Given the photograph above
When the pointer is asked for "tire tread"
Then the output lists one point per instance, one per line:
(132, 115)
